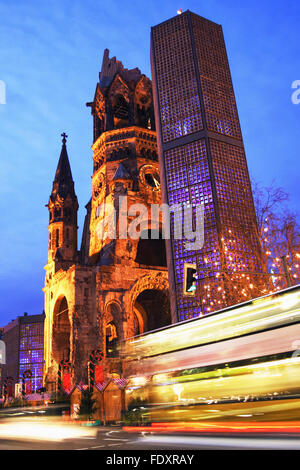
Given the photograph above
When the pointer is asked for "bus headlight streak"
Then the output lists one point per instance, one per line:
(161, 378)
(139, 381)
(178, 389)
(289, 301)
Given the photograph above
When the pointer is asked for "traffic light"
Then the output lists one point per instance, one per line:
(190, 279)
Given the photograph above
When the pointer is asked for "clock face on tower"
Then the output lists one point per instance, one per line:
(98, 185)
(149, 177)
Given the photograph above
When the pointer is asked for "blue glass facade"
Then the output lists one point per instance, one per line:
(31, 353)
(203, 162)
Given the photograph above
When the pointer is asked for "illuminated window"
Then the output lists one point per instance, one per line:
(111, 340)
(99, 211)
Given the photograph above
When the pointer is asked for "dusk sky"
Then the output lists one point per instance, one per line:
(50, 57)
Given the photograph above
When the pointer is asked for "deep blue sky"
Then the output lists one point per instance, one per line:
(50, 56)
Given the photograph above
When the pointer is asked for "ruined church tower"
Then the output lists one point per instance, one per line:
(115, 285)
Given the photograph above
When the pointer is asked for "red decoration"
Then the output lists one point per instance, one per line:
(67, 381)
(28, 388)
(98, 374)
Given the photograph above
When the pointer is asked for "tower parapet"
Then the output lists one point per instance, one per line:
(123, 98)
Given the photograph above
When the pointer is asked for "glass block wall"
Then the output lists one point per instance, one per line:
(31, 353)
(179, 103)
(203, 161)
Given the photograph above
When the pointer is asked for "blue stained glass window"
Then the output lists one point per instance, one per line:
(31, 352)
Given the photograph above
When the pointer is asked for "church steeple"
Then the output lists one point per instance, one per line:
(63, 182)
(63, 207)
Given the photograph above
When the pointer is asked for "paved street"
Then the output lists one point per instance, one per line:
(43, 433)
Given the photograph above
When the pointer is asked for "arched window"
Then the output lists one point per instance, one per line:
(151, 251)
(121, 108)
(111, 337)
(57, 238)
(67, 237)
(136, 325)
(153, 306)
(120, 112)
(61, 331)
(57, 212)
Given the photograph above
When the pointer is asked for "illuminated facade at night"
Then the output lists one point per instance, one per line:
(24, 340)
(202, 161)
(111, 288)
(115, 287)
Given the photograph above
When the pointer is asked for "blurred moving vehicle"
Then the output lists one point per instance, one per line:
(240, 362)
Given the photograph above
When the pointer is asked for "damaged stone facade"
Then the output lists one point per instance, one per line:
(112, 287)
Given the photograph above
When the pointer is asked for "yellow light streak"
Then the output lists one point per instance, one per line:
(248, 318)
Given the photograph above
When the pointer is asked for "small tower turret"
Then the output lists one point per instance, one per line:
(63, 207)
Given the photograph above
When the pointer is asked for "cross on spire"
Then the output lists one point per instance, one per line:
(63, 182)
(64, 136)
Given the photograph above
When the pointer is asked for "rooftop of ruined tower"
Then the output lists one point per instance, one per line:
(112, 66)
